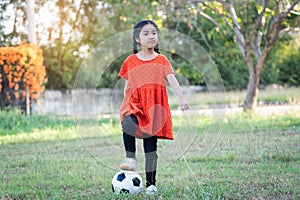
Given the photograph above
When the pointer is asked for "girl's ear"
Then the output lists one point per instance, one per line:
(137, 39)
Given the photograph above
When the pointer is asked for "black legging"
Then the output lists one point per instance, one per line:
(150, 147)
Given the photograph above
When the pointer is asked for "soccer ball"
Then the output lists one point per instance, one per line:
(127, 182)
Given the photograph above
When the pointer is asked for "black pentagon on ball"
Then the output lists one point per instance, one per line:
(121, 177)
(136, 182)
(124, 191)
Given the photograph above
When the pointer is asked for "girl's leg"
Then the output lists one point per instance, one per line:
(129, 129)
(150, 148)
(129, 144)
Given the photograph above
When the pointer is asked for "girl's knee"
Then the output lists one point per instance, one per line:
(129, 125)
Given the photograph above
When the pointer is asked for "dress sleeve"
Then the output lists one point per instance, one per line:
(124, 70)
(167, 67)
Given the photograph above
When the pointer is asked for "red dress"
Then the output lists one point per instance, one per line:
(146, 96)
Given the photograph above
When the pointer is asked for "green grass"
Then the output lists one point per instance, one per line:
(286, 95)
(290, 95)
(48, 157)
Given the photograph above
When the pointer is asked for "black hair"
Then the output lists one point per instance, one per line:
(137, 30)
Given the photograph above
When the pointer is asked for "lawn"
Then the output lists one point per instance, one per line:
(242, 156)
(267, 96)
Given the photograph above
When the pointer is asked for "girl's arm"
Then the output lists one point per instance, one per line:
(176, 87)
(126, 87)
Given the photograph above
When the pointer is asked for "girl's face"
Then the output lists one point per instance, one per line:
(148, 37)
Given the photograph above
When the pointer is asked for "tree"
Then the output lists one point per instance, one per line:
(74, 30)
(256, 39)
(62, 29)
(256, 27)
(256, 43)
(68, 31)
(77, 27)
(12, 11)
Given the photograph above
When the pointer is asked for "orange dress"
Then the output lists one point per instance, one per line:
(146, 96)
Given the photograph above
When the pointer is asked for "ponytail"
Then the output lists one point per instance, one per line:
(156, 49)
(135, 50)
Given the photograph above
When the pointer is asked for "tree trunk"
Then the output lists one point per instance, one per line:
(250, 103)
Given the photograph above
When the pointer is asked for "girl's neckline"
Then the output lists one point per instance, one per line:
(147, 59)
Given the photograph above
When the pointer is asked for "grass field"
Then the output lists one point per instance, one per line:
(270, 95)
(249, 156)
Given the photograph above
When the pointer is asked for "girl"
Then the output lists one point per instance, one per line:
(145, 112)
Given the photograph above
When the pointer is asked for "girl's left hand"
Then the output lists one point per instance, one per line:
(184, 106)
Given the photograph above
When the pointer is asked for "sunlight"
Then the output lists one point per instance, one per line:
(46, 19)
(48, 15)
(48, 24)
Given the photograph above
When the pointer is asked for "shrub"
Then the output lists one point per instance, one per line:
(21, 69)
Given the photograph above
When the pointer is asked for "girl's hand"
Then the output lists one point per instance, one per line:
(184, 106)
(175, 86)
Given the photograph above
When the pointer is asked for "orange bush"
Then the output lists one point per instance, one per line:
(22, 68)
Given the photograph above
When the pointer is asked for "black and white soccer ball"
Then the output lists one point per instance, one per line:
(127, 182)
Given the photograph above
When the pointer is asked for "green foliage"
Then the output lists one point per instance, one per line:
(282, 64)
(186, 69)
(289, 64)
(229, 60)
(219, 41)
(62, 65)
(110, 76)
(92, 22)
(223, 50)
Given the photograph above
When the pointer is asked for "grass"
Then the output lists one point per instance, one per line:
(290, 95)
(284, 95)
(252, 156)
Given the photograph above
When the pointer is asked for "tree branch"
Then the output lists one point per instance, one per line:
(220, 14)
(209, 18)
(255, 30)
(74, 22)
(239, 36)
(202, 35)
(283, 31)
(274, 30)
(201, 13)
(291, 8)
(273, 34)
(257, 44)
(234, 16)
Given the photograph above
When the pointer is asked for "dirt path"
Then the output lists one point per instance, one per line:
(270, 110)
(261, 110)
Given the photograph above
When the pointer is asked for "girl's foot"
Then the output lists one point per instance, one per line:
(150, 190)
(128, 164)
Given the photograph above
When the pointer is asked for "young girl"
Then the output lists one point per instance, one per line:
(145, 112)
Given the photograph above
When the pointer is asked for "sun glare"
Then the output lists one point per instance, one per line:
(48, 14)
(46, 19)
(48, 23)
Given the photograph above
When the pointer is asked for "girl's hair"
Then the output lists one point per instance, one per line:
(137, 30)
